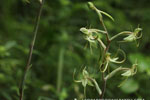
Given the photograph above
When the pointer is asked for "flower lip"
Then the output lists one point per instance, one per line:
(138, 29)
(115, 59)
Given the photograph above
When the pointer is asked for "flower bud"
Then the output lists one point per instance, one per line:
(91, 5)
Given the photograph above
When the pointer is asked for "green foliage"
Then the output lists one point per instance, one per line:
(59, 28)
(130, 86)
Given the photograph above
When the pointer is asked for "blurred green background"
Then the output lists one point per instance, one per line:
(59, 48)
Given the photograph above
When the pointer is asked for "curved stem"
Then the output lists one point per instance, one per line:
(21, 89)
(102, 44)
(115, 36)
(107, 36)
(96, 85)
(114, 72)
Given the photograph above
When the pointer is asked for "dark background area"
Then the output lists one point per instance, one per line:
(60, 44)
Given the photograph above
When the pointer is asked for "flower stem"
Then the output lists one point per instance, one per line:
(22, 85)
(105, 51)
(114, 72)
(124, 32)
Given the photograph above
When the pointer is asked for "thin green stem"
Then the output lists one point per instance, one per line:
(21, 89)
(60, 70)
(85, 92)
(105, 51)
(103, 77)
(115, 36)
(104, 86)
(114, 72)
(102, 44)
(96, 85)
(107, 36)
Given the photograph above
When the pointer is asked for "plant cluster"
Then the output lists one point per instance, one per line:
(93, 36)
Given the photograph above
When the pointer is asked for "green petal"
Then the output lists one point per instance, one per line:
(85, 73)
(90, 83)
(105, 68)
(98, 31)
(127, 73)
(114, 60)
(84, 82)
(130, 38)
(77, 81)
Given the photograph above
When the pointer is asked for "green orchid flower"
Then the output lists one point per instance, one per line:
(113, 59)
(92, 36)
(133, 36)
(130, 72)
(87, 80)
(90, 31)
